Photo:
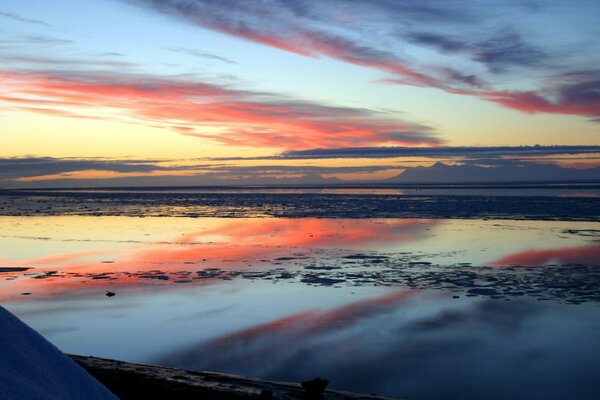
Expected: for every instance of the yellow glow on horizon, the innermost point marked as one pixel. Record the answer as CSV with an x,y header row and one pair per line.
x,y
377,175
95,174
29,133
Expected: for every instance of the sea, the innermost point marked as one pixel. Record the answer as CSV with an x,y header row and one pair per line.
x,y
414,292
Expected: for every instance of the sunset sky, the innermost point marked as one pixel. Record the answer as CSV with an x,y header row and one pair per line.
x,y
126,92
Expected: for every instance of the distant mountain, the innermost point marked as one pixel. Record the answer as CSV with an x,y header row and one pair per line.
x,y
311,179
490,171
506,172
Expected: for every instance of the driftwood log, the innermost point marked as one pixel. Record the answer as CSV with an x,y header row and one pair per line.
x,y
148,382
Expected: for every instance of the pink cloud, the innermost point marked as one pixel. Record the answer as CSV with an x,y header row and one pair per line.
x,y
194,109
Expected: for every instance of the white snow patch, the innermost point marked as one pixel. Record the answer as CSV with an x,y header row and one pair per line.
x,y
32,368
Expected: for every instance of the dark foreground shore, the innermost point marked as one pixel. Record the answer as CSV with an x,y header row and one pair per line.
x,y
138,381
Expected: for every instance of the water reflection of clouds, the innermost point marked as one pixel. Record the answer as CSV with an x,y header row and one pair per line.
x,y
420,344
273,341
582,255
410,345
229,244
236,241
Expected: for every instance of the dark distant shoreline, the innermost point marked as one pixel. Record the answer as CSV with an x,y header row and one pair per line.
x,y
523,203
584,184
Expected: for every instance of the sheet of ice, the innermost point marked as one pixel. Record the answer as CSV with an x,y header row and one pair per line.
x,y
32,368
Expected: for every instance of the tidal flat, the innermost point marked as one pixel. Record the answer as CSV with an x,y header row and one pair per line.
x,y
416,308
534,202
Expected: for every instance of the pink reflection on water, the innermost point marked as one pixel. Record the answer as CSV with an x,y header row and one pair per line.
x,y
232,244
272,237
588,255
272,340
63,257
316,321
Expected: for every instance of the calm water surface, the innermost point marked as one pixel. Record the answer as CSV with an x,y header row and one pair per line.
x,y
414,308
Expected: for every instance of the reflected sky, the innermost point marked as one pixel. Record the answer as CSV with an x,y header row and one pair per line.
x,y
414,308
418,346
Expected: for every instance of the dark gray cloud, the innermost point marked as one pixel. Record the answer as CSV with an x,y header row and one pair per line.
x,y
443,151
18,42
445,43
19,18
74,65
502,37
11,168
477,165
44,39
507,50
24,167
497,52
306,169
200,54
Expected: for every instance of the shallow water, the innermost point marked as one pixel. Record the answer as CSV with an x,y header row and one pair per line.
x,y
414,308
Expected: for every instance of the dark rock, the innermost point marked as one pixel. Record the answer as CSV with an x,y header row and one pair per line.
x,y
484,291
324,268
157,277
315,386
13,269
316,280
109,293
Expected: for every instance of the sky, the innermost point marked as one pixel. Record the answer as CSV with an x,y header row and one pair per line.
x,y
132,92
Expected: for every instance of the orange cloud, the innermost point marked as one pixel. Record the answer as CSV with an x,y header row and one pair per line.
x,y
217,113
97,174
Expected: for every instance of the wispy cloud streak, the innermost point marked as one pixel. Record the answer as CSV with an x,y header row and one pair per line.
x,y
201,54
441,151
216,112
491,45
19,18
